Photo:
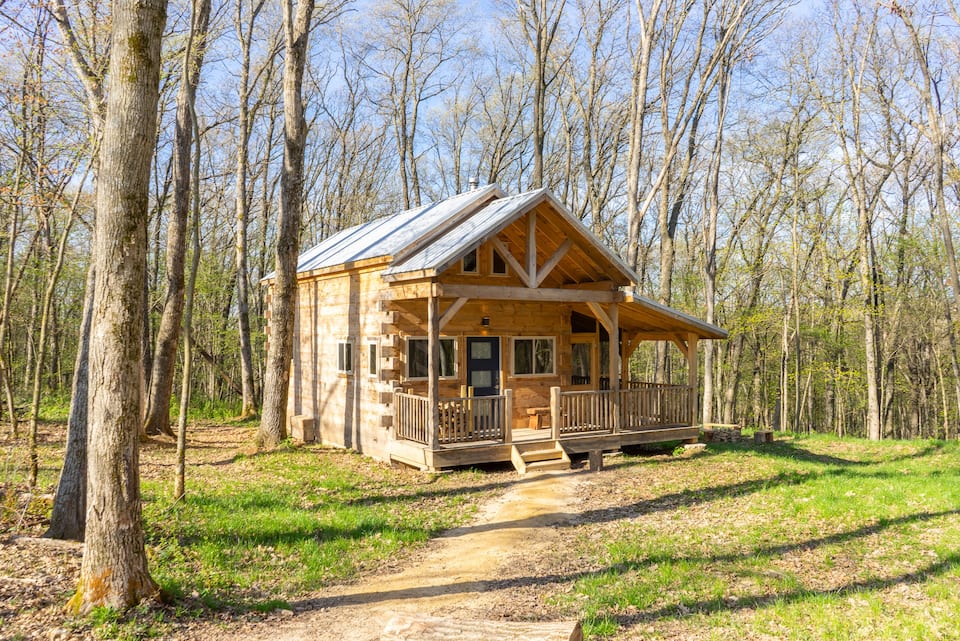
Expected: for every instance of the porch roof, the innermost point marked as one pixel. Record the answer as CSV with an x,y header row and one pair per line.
x,y
648,317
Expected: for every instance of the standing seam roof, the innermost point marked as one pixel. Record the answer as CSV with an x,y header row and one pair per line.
x,y
387,236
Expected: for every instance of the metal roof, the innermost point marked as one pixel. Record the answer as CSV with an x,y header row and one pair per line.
x,y
467,235
388,236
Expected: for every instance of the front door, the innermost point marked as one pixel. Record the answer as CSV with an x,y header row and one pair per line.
x,y
483,365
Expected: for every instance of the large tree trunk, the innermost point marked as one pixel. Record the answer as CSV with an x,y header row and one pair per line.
x,y
114,570
157,420
283,300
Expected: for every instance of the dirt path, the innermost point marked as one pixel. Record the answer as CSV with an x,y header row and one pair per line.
x,y
461,574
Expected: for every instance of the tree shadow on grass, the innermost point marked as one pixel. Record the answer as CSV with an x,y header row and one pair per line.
x,y
791,450
678,609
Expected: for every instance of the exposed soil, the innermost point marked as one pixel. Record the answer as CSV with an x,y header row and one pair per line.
x,y
494,568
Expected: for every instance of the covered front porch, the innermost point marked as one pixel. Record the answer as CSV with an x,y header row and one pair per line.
x,y
469,430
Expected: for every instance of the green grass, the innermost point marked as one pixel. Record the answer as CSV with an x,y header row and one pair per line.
x,y
808,539
293,520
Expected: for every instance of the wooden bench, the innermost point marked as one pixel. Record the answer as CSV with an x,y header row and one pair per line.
x,y
536,415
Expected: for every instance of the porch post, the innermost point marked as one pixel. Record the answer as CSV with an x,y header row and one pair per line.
x,y
433,368
555,413
507,416
614,333
693,364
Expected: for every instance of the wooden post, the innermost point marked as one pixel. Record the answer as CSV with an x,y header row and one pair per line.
x,y
508,416
433,368
693,380
532,249
555,413
614,332
468,407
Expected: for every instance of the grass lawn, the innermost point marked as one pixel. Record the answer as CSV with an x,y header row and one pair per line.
x,y
814,538
808,538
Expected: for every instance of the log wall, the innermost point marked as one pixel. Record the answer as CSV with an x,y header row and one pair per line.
x,y
349,409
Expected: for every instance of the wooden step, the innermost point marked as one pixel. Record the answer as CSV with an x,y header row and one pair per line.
x,y
539,457
548,466
531,456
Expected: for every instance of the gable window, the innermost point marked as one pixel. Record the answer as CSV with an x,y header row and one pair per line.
x,y
533,356
345,357
470,265
418,358
498,265
372,358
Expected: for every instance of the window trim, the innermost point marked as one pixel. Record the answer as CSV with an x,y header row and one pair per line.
x,y
513,356
426,339
348,343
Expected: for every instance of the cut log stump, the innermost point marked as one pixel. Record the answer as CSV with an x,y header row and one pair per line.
x,y
763,436
416,627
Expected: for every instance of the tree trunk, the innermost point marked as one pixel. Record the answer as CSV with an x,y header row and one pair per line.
x,y
157,420
68,519
283,298
179,490
242,198
114,570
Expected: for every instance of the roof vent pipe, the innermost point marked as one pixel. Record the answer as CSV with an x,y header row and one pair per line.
x,y
474,182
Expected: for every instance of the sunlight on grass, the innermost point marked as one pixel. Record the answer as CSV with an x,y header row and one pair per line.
x,y
813,538
291,521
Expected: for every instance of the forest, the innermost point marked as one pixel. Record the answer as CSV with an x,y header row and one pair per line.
x,y
785,170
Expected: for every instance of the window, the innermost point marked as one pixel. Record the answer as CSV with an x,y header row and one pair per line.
x,y
372,359
418,358
469,264
345,357
582,367
533,356
499,265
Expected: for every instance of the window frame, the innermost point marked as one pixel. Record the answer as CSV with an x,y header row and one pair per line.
x,y
454,361
506,266
533,364
373,356
476,262
344,354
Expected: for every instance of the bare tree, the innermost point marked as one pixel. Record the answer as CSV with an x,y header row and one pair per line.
x,y
296,29
540,21
157,420
412,45
114,569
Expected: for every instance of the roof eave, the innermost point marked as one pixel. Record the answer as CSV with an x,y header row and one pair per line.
x,y
703,329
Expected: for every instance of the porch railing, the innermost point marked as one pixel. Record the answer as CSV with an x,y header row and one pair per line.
x,y
640,406
412,417
464,419
470,419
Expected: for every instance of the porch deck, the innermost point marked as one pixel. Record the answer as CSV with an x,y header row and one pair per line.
x,y
475,430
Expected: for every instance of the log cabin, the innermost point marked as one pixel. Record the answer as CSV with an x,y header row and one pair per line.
x,y
482,328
